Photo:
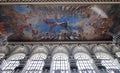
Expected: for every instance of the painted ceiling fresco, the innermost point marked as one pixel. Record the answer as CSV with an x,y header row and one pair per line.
x,y
59,22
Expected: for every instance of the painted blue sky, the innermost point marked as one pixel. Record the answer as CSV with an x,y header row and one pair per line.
x,y
27,21
72,21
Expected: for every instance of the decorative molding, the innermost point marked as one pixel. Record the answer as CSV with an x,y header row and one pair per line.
x,y
62,42
58,3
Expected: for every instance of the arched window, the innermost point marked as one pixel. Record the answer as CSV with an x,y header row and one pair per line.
x,y
35,63
107,62
60,63
12,62
84,63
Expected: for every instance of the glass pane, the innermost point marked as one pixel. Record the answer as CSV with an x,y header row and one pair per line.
x,y
35,64
60,64
84,64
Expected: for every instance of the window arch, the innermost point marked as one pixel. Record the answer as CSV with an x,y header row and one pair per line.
x,y
35,63
60,63
9,65
84,63
107,62
102,55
